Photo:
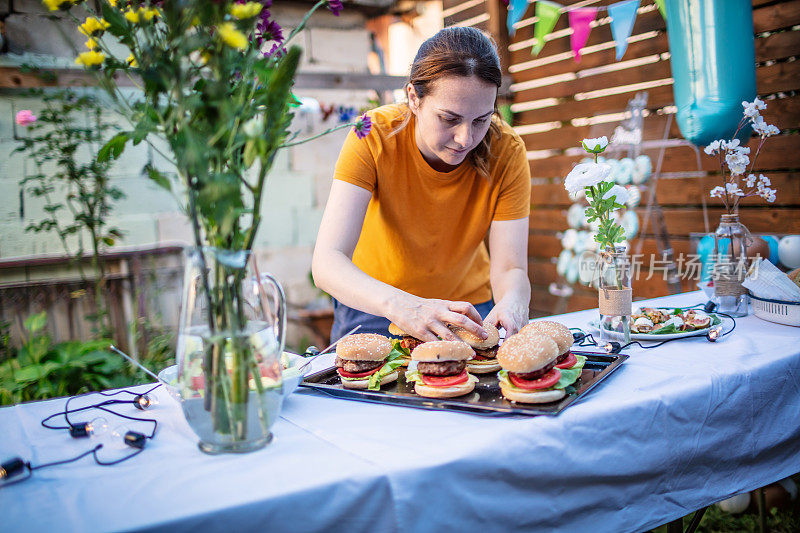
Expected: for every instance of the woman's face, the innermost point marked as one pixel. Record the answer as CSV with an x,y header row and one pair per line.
x,y
452,119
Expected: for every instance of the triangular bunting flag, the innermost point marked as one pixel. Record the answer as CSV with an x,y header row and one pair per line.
x,y
516,10
547,12
623,15
580,21
662,8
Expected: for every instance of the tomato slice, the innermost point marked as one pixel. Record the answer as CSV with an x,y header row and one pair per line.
x,y
445,381
569,362
544,382
357,375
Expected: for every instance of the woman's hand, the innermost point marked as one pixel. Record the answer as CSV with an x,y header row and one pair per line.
x,y
510,315
426,319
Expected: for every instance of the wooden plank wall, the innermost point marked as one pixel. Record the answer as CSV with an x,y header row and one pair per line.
x,y
557,102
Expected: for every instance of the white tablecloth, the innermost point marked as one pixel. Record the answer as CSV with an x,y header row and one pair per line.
x,y
674,429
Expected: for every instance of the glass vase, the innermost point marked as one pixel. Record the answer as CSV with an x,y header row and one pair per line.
x,y
615,296
230,340
730,266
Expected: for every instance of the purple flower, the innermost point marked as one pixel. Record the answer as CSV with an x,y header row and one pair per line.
x,y
335,6
276,50
363,126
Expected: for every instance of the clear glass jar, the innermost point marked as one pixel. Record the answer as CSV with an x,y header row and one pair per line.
x,y
615,296
730,266
230,342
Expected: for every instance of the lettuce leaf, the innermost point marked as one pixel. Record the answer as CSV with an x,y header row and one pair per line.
x,y
393,361
669,328
413,375
568,375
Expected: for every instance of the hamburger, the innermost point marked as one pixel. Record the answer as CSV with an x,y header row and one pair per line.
x,y
562,337
407,342
529,373
366,361
441,369
485,359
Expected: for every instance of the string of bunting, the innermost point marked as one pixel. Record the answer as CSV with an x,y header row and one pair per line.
x,y
622,15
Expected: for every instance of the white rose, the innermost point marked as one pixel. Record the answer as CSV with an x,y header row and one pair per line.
x,y
586,175
619,192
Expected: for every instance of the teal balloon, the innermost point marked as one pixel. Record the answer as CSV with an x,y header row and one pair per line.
x,y
773,248
712,54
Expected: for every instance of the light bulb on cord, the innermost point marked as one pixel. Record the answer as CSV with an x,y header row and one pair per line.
x,y
122,437
143,401
94,429
714,333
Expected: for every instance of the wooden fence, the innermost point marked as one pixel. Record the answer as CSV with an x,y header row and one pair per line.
x,y
557,102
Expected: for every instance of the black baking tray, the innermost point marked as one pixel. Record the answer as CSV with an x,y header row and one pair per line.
x,y
486,399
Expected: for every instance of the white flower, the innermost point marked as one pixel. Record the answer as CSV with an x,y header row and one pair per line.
x,y
737,163
586,175
717,192
713,147
767,194
751,180
595,146
772,130
763,181
729,145
751,108
619,193
733,189
253,127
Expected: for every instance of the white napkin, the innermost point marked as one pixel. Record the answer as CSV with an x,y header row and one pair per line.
x,y
765,280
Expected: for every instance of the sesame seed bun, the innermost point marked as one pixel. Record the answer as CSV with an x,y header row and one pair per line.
x,y
517,395
364,383
446,392
558,332
438,351
526,353
475,341
395,330
364,347
482,366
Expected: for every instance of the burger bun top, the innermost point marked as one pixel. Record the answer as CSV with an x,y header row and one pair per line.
x,y
475,341
395,330
439,351
556,331
522,353
364,347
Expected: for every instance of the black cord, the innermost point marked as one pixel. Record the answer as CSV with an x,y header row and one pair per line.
x,y
65,461
108,402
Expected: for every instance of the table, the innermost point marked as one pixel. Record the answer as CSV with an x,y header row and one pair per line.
x,y
675,429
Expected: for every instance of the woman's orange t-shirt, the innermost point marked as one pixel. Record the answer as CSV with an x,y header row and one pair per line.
x,y
423,231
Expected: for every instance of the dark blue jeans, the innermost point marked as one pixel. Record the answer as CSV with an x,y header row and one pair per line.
x,y
346,318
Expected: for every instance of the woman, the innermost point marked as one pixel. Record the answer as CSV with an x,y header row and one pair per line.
x,y
402,236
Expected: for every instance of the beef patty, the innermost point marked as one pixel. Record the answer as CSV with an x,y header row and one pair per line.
x,y
536,374
445,368
355,367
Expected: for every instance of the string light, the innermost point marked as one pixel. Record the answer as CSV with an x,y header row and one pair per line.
x,y
714,333
94,429
143,402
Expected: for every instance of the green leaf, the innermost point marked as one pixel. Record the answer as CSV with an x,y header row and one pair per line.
x,y
158,177
250,152
35,323
113,148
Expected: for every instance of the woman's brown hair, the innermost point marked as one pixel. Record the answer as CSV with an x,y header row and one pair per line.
x,y
458,51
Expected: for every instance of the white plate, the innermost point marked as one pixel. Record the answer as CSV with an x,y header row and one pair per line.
x,y
292,376
595,324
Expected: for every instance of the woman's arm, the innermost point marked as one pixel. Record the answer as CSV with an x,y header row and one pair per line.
x,y
335,273
508,274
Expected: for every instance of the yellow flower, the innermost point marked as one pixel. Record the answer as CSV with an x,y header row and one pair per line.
x,y
149,13
90,59
231,36
55,5
113,3
91,44
93,27
131,61
132,16
245,11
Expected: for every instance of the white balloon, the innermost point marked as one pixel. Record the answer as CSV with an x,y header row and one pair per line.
x,y
789,251
735,504
564,259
